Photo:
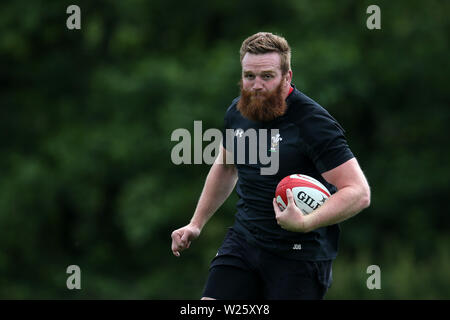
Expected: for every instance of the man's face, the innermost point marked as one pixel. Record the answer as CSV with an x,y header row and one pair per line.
x,y
261,73
263,87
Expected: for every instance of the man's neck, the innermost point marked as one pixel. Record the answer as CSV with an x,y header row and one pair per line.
x,y
288,92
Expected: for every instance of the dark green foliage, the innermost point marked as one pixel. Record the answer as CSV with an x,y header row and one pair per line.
x,y
86,118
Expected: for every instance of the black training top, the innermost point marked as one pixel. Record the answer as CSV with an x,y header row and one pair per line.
x,y
310,142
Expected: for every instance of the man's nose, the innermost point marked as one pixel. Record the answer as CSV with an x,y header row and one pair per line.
x,y
257,84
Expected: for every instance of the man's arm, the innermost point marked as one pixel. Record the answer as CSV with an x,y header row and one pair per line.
x,y
218,186
353,195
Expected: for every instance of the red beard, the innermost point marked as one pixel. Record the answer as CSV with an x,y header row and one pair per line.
x,y
262,106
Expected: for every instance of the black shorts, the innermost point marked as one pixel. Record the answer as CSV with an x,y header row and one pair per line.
x,y
243,271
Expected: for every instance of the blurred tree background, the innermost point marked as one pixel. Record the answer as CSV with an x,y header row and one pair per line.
x,y
86,118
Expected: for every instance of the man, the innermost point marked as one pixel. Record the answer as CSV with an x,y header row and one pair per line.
x,y
268,253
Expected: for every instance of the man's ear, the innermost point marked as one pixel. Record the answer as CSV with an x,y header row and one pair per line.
x,y
288,76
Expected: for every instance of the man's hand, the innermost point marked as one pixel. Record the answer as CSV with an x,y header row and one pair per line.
x,y
181,238
291,218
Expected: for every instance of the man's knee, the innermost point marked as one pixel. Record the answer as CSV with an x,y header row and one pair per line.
x,y
207,298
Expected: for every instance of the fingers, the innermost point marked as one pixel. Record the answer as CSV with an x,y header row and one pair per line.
x,y
185,240
177,244
290,197
277,210
280,215
275,206
185,237
181,240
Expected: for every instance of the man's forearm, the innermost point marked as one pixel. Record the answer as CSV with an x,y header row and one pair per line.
x,y
341,206
219,184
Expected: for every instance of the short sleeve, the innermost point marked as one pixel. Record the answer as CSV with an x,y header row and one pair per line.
x,y
325,141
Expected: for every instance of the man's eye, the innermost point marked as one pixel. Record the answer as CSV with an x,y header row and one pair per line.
x,y
249,76
268,76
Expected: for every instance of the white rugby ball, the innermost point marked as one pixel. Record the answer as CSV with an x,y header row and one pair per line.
x,y
309,194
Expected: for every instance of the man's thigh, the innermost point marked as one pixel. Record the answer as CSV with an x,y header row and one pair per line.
x,y
231,275
296,280
228,282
